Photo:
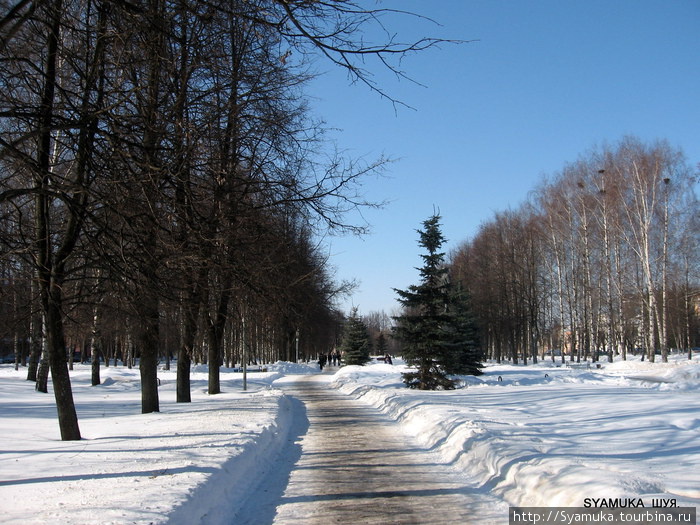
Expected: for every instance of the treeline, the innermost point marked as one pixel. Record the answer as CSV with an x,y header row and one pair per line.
x,y
161,190
379,328
602,260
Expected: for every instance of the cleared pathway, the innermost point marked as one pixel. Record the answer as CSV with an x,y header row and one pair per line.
x,y
348,463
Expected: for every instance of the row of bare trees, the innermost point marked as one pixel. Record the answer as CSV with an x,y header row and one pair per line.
x,y
161,189
601,260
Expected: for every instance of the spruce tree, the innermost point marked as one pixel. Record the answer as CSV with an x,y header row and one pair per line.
x,y
356,344
435,338
463,345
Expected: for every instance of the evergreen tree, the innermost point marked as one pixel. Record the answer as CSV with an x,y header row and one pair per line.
x,y
463,343
436,338
356,344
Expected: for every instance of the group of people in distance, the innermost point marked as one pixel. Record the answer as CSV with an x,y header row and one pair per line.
x,y
333,358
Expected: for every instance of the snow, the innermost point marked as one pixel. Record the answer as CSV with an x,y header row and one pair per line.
x,y
541,435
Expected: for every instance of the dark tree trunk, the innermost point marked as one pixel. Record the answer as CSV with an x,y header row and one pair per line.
x,y
216,338
184,362
184,355
215,344
148,364
95,367
67,417
184,358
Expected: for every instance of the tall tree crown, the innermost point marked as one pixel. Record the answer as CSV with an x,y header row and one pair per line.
x,y
431,239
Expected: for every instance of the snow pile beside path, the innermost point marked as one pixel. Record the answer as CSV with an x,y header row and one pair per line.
x,y
550,436
377,376
287,368
228,487
191,461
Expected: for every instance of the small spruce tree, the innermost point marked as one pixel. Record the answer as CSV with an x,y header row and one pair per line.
x,y
436,338
356,344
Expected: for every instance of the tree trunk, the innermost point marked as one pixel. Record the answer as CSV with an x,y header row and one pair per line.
x,y
148,364
216,338
95,350
663,319
184,355
184,362
42,376
67,416
35,337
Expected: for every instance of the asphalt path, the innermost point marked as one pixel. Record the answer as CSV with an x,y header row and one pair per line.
x,y
346,462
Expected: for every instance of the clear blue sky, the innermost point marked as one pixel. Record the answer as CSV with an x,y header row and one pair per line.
x,y
546,81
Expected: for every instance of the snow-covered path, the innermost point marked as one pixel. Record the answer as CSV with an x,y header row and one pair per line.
x,y
347,462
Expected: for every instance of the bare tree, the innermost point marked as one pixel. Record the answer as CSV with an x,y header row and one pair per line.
x,y
611,242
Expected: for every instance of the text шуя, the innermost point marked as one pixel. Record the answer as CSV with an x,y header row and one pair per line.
x,y
624,503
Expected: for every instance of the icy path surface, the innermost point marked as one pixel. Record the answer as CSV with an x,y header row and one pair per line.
x,y
346,462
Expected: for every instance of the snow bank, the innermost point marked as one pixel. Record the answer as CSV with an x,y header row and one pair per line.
x,y
551,436
287,368
190,463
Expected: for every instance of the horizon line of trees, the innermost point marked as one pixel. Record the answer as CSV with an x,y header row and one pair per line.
x,y
163,183
602,260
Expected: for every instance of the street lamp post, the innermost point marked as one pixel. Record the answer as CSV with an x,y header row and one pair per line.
x,y
297,345
244,356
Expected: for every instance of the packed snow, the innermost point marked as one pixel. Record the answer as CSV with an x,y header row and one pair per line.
x,y
537,435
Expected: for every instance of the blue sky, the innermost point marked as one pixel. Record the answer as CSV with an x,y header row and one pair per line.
x,y
544,82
